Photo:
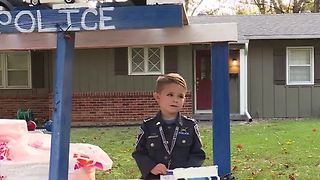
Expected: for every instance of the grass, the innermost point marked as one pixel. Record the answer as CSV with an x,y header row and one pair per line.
x,y
275,149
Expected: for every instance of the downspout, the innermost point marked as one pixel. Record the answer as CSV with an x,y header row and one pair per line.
x,y
244,82
249,118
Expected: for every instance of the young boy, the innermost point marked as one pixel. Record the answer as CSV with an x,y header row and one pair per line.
x,y
168,140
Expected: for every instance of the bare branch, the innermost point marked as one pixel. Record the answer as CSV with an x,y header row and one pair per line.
x,y
194,10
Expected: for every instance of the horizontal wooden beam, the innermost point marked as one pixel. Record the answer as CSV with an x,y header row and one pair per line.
x,y
191,34
86,19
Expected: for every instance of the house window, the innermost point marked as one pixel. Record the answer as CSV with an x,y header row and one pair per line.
x,y
15,70
300,62
146,60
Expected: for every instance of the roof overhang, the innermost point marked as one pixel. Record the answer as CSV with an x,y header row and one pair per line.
x,y
190,34
248,38
283,36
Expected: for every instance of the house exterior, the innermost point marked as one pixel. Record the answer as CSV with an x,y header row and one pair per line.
x,y
114,71
125,40
281,58
273,70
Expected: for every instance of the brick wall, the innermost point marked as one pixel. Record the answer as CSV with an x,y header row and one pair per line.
x,y
117,107
11,104
94,108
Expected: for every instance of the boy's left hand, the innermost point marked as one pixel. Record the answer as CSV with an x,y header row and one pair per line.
x,y
159,169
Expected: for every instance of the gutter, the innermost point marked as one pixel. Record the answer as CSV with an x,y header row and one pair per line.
x,y
244,82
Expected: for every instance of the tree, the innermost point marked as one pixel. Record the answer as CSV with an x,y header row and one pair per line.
x,y
192,5
244,8
316,5
280,6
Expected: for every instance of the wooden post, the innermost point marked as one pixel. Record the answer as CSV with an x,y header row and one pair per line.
x,y
221,109
59,157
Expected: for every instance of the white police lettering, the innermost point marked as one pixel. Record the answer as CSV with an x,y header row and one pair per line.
x,y
40,29
33,21
27,21
68,12
105,18
83,19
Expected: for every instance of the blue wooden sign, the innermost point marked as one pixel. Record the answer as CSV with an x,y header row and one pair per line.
x,y
85,19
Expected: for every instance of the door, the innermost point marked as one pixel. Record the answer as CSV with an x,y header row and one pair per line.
x,y
203,80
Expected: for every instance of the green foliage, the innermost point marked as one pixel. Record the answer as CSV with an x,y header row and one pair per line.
x,y
281,6
276,149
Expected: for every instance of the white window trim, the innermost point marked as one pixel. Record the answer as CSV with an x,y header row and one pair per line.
x,y
311,69
3,61
2,56
145,49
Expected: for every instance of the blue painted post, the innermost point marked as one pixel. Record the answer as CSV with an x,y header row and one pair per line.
x,y
220,110
59,157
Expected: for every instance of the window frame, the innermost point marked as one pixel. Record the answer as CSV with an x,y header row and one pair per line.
x,y
4,64
2,56
311,49
146,59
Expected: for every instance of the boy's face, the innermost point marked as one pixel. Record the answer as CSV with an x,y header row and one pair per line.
x,y
170,99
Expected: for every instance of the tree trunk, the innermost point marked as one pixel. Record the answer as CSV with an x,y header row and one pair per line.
x,y
297,6
316,5
277,7
261,6
187,2
196,7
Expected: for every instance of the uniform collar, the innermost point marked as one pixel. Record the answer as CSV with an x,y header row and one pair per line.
x,y
177,121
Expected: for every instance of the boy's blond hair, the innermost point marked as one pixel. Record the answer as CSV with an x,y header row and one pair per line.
x,y
168,79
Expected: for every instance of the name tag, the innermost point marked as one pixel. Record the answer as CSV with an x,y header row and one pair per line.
x,y
152,136
184,133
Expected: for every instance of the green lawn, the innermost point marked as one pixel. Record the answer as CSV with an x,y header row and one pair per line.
x,y
275,149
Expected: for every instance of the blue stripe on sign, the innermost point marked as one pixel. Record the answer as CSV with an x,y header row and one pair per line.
x,y
103,18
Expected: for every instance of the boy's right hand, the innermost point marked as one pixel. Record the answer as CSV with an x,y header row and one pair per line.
x,y
159,169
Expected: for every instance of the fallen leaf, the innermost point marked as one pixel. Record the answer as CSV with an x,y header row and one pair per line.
x,y
291,177
239,147
284,150
234,168
274,175
289,142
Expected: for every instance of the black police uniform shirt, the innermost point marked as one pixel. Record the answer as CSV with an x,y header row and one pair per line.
x,y
176,144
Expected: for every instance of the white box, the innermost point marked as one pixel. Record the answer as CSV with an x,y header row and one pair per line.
x,y
196,172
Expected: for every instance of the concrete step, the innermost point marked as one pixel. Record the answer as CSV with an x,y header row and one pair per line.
x,y
208,117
